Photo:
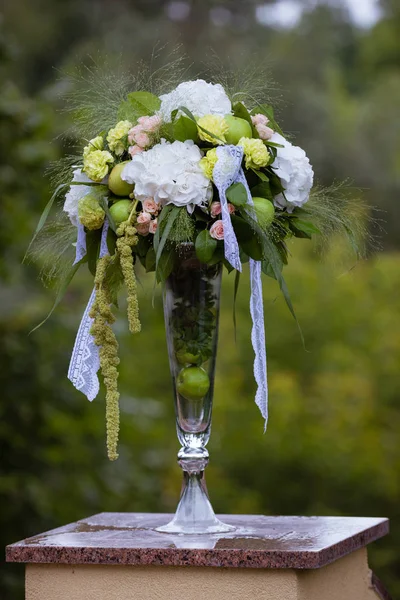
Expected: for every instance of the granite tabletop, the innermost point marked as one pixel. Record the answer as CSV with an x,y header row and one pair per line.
x,y
257,542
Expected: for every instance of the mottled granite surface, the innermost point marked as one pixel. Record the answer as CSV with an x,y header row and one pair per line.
x,y
257,542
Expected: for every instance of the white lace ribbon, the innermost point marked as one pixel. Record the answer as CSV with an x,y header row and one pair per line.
x,y
85,360
80,250
228,170
225,173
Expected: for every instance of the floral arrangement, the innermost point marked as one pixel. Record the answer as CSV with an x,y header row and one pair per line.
x,y
191,166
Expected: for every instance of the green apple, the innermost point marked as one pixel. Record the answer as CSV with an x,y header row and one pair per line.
x,y
193,383
118,186
238,128
265,211
120,211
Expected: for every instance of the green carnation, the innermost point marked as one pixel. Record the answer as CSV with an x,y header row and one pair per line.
x,y
96,143
117,137
255,152
216,125
96,164
90,213
207,163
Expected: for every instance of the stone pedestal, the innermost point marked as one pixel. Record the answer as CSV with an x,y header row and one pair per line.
x,y
114,556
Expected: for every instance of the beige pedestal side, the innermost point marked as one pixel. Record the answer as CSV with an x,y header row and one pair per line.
x,y
346,579
123,556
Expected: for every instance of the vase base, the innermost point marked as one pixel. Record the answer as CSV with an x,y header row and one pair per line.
x,y
177,527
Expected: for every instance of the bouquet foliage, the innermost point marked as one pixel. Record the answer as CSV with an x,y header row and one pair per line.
x,y
196,165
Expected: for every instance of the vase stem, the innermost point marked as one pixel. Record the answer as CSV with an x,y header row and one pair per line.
x,y
194,513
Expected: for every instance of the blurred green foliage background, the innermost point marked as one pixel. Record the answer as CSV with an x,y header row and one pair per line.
x,y
332,445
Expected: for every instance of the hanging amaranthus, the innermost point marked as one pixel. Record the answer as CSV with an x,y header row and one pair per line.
x,y
128,238
108,351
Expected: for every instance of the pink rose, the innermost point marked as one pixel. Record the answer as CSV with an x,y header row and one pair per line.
x,y
260,123
259,119
150,124
153,226
215,209
142,139
217,230
150,206
144,217
133,150
133,132
142,228
143,223
264,132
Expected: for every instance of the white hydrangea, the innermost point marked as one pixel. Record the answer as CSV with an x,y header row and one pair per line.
x,y
200,97
171,174
74,194
293,168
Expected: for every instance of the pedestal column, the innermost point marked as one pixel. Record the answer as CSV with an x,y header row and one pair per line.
x,y
114,556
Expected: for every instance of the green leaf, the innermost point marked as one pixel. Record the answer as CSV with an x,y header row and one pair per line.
x,y
239,110
275,184
165,264
142,246
218,255
228,266
93,239
237,194
115,278
111,241
45,214
261,175
235,291
184,129
61,292
150,263
173,213
262,190
264,109
205,246
104,205
272,255
247,238
267,269
138,104
304,226
160,221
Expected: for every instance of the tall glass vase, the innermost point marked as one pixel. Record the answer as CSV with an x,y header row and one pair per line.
x,y
191,312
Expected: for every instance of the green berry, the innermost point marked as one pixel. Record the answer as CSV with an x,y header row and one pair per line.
x,y
118,186
265,211
120,211
193,383
238,128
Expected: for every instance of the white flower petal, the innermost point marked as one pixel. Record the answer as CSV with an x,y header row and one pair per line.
x,y
171,174
200,97
293,168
